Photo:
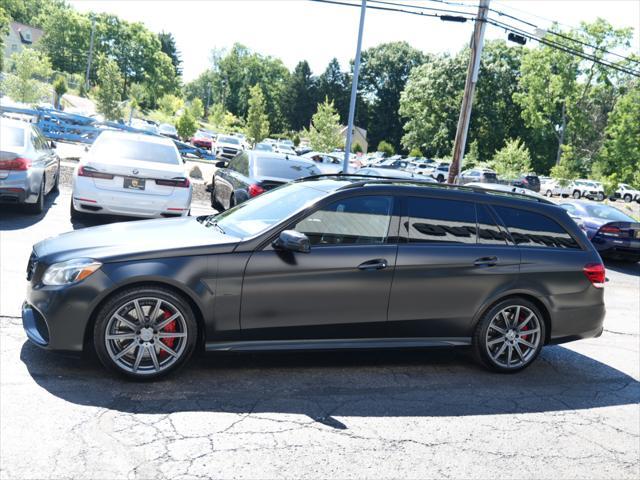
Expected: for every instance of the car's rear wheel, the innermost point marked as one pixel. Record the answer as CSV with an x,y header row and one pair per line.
x,y
215,204
145,332
627,198
38,207
549,193
56,184
577,194
509,336
601,197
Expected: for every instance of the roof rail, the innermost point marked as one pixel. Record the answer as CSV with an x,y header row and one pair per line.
x,y
371,179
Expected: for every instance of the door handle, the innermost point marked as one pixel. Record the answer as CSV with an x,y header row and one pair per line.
x,y
377,264
486,261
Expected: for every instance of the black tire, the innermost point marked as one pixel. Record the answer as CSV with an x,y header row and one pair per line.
x,y
56,184
118,302
232,201
576,194
440,178
73,213
38,207
627,198
214,203
480,347
549,193
600,197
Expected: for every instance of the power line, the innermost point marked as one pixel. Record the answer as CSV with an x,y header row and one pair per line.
x,y
525,22
496,23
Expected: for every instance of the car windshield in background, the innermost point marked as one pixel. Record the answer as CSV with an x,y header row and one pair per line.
x,y
137,150
607,213
262,212
265,147
167,128
11,137
231,140
286,169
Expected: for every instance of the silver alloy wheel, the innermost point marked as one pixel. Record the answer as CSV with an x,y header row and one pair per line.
x,y
513,336
146,335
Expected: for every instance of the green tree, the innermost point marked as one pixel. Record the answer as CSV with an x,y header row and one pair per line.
x,y
186,125
66,39
301,96
512,160
169,104
384,73
27,70
109,89
196,108
5,20
324,132
415,152
357,148
620,153
569,98
386,148
60,88
257,119
334,84
168,47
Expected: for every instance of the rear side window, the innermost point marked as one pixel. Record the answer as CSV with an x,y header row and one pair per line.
x,y
434,220
282,168
529,229
11,136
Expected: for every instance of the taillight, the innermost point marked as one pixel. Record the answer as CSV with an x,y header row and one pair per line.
x,y
255,190
176,182
609,230
595,272
15,164
93,173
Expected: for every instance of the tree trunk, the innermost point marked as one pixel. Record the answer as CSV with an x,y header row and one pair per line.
x,y
561,135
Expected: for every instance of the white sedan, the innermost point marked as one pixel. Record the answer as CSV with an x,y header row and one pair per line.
x,y
131,174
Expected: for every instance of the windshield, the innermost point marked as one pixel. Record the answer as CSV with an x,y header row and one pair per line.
x,y
231,140
136,150
167,128
281,168
264,147
264,211
607,213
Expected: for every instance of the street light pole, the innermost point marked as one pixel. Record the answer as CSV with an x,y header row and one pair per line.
x,y
477,40
354,91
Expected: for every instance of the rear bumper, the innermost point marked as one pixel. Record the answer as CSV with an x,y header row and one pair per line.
x,y
87,198
20,187
572,324
623,248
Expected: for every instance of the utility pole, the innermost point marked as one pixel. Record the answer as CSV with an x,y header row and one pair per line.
x,y
354,91
93,31
477,40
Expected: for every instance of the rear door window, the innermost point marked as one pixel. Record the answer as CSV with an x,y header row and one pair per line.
x,y
240,164
489,232
530,229
435,220
283,168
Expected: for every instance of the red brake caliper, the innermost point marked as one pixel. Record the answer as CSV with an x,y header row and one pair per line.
x,y
170,327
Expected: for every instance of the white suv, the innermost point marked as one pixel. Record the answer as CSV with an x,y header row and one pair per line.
x,y
627,193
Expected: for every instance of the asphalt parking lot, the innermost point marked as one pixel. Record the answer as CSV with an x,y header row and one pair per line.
x,y
573,414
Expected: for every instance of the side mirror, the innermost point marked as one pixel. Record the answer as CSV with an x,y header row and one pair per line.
x,y
292,241
221,164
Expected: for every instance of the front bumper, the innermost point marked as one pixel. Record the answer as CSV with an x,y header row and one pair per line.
x,y
57,317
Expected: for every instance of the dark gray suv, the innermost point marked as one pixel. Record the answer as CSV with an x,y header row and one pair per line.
x,y
322,263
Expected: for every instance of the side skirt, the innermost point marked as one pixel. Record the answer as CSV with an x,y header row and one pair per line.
x,y
336,344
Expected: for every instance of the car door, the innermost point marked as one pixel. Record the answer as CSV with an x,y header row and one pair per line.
x,y
453,256
232,178
340,289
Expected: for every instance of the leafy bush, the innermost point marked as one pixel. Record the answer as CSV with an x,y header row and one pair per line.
x,y
109,88
386,148
60,87
512,160
357,148
415,152
186,125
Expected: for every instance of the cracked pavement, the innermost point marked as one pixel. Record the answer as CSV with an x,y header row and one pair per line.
x,y
422,413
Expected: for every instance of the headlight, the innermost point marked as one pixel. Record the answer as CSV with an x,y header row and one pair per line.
x,y
71,271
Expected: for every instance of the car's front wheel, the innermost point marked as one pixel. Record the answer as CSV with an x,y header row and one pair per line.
x,y
549,193
577,194
509,336
145,332
627,198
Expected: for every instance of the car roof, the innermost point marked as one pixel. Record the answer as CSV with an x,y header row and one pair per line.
x,y
140,137
418,186
14,122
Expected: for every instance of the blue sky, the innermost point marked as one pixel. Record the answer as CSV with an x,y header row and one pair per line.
x,y
298,29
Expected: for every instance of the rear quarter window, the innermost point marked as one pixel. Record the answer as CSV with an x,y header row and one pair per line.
x,y
531,229
281,168
11,136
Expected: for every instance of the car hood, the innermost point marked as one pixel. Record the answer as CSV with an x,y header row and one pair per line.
x,y
137,240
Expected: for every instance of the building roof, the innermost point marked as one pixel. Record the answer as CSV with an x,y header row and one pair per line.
x,y
27,34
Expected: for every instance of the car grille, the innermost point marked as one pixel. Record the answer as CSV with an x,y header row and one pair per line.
x,y
229,151
32,265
